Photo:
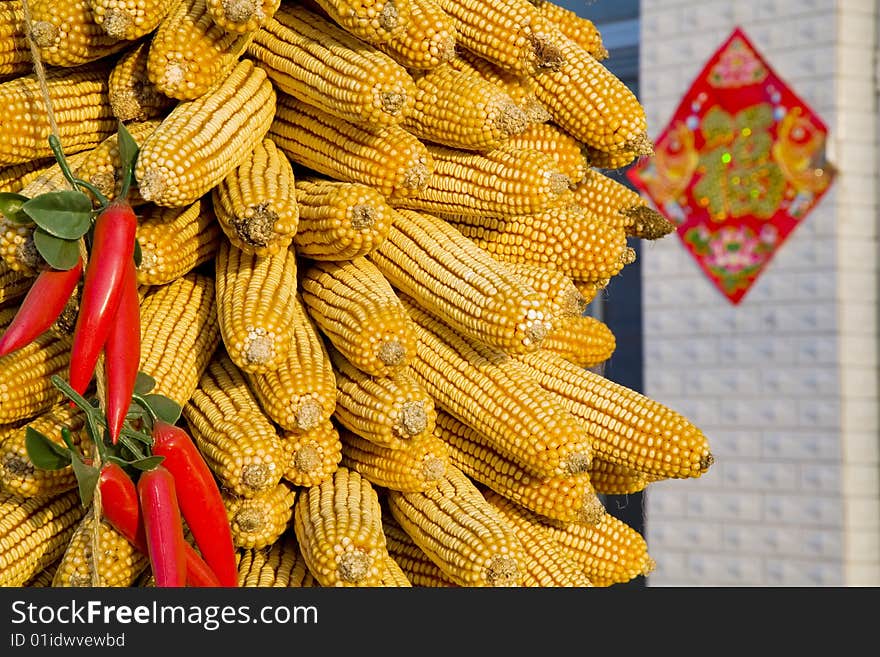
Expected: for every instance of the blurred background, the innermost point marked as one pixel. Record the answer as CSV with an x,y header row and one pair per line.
x,y
785,382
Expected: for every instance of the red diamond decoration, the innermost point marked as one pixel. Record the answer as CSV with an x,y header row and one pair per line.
x,y
739,166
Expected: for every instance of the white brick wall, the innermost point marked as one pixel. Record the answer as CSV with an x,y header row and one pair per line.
x,y
785,384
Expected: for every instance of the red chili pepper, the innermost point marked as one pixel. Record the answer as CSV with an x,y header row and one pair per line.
x,y
199,499
121,508
122,353
163,526
112,249
44,302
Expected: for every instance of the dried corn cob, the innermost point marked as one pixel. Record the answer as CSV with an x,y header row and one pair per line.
x,y
415,564
446,274
34,532
591,288
581,339
338,524
546,564
312,455
509,33
255,203
81,107
570,497
615,479
390,159
301,392
43,579
66,33
608,553
27,390
618,159
16,177
18,475
608,199
394,575
498,182
202,140
119,562
390,411
558,290
281,564
625,426
479,386
592,104
242,15
549,138
460,109
15,56
461,532
190,54
567,239
339,220
574,26
129,19
259,521
13,284
425,41
311,58
179,333
255,305
238,441
174,241
417,466
132,96
372,21
359,312
17,248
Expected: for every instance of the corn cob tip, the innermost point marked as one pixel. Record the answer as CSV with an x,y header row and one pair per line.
x,y
354,566
628,256
248,519
257,228
259,347
117,23
416,177
535,330
362,216
307,458
389,17
308,414
391,352
592,511
559,182
648,224
503,570
511,119
413,418
706,462
548,55
640,146
393,102
649,566
44,33
577,462
239,11
433,468
258,476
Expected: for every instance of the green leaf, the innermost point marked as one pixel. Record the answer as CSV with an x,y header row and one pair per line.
x,y
138,254
86,479
44,452
128,152
66,214
10,207
140,436
59,253
144,383
166,409
147,463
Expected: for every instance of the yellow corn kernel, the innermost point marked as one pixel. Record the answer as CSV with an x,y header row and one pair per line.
x,y
15,54
425,41
34,532
608,553
590,288
549,138
418,567
300,393
259,521
80,104
312,455
415,467
546,563
25,386
574,26
118,564
581,339
66,33
242,15
625,426
238,441
174,241
371,21
339,220
16,177
592,104
21,477
489,392
394,575
43,579
313,59
202,140
179,333
255,305
445,273
558,290
13,284
129,19
359,312
615,479
619,158
567,239
462,110
132,96
498,182
338,524
389,158
279,565
568,497
17,248
461,532
255,203
390,411
509,33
